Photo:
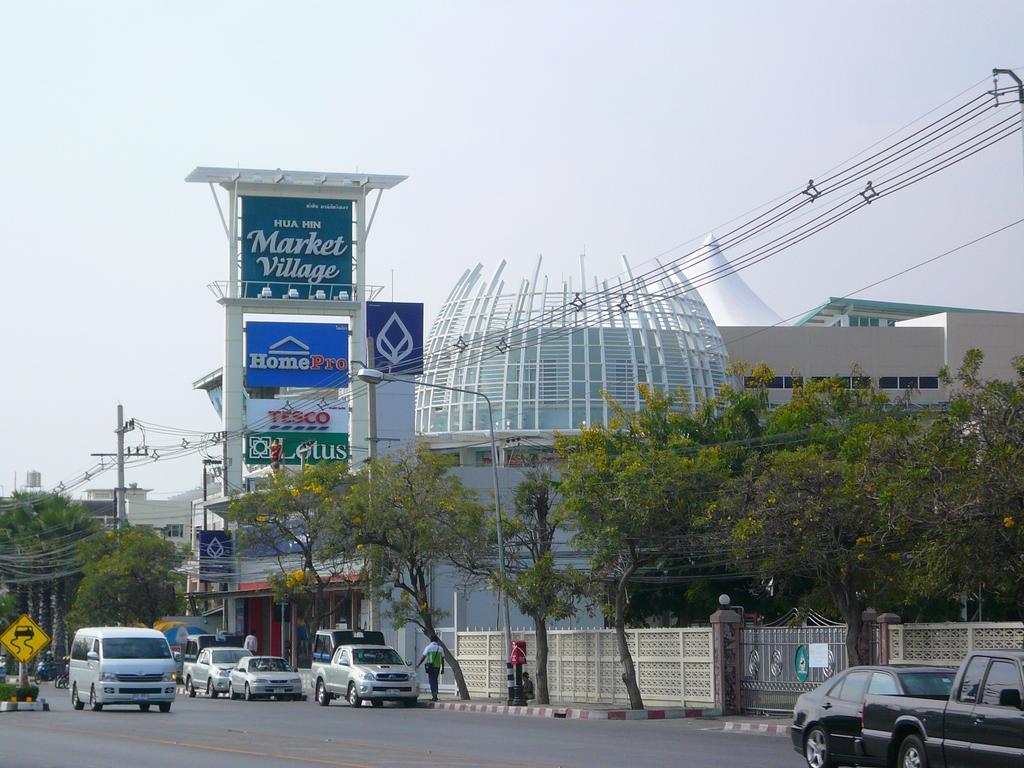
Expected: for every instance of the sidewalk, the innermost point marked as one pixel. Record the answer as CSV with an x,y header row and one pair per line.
x,y
765,726
569,710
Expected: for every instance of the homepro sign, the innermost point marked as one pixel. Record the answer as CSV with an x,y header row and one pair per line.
x,y
300,243
296,355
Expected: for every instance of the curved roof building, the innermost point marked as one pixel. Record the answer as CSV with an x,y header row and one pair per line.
x,y
543,351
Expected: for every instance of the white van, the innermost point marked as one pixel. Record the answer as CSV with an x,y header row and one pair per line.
x,y
121,665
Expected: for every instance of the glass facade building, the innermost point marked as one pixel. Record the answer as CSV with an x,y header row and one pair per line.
x,y
543,353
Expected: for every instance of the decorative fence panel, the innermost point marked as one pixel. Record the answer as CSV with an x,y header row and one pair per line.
x,y
673,666
949,643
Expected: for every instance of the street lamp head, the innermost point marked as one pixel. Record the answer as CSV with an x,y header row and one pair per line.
x,y
370,375
724,600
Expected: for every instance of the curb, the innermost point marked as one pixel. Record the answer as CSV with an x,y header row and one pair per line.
x,y
572,713
24,706
768,729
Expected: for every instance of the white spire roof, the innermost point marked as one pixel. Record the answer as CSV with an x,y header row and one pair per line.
x,y
728,297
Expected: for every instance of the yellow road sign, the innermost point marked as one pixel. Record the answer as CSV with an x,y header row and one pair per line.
x,y
24,638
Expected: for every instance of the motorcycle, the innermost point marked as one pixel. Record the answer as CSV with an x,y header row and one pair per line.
x,y
47,670
62,678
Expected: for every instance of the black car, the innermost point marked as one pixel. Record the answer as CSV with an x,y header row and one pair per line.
x,y
826,726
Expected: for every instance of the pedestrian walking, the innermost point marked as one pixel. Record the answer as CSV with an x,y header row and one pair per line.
x,y
433,655
250,643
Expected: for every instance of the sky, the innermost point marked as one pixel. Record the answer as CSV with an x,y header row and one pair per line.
x,y
525,128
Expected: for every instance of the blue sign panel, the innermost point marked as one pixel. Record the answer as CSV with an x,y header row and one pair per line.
x,y
296,244
296,355
216,556
397,332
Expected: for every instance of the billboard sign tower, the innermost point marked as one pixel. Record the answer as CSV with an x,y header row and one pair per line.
x,y
296,246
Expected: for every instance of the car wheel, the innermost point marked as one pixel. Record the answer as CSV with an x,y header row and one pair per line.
x,y
816,749
165,706
190,686
76,702
353,697
912,754
248,693
93,704
323,698
231,692
210,693
144,707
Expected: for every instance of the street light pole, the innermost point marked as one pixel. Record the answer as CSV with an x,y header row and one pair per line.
x,y
373,377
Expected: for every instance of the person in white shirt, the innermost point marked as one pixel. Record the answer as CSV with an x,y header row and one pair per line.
x,y
250,643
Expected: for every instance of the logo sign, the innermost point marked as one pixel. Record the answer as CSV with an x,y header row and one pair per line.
x,y
397,332
24,638
297,448
801,663
296,355
298,243
297,416
216,555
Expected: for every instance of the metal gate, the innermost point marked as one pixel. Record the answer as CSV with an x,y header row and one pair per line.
x,y
777,661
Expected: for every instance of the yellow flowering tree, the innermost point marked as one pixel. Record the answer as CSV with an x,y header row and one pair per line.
x,y
301,522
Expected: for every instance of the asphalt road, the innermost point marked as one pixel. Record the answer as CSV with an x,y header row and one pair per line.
x,y
236,734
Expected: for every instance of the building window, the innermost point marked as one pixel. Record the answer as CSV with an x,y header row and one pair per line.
x,y
928,382
908,382
888,382
174,531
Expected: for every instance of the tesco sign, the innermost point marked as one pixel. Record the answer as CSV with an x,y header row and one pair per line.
x,y
296,355
296,416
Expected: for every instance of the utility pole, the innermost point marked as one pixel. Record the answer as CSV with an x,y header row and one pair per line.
x,y
119,491
1020,89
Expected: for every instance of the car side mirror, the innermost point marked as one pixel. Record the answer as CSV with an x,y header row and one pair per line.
x,y
343,662
408,663
1009,697
92,656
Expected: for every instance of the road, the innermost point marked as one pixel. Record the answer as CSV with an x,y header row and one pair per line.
x,y
236,734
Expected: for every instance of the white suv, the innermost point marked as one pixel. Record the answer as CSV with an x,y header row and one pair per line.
x,y
374,673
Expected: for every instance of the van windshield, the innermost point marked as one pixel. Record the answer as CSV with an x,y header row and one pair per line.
x,y
135,648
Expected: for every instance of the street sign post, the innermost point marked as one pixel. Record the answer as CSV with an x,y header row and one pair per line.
x,y
24,639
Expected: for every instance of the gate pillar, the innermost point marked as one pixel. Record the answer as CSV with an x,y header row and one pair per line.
x,y
868,649
885,621
726,627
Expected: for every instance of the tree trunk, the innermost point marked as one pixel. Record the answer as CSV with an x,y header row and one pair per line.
x,y
59,623
628,670
541,633
449,657
853,632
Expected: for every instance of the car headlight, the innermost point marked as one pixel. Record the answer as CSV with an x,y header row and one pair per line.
x,y
261,681
108,677
169,677
369,676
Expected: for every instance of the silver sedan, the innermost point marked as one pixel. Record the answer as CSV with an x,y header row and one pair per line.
x,y
264,677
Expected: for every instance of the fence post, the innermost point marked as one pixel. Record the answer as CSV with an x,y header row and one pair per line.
x,y
726,629
885,621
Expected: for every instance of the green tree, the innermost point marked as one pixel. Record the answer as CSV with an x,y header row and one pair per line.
x,y
302,521
542,589
818,501
966,487
129,577
639,489
413,516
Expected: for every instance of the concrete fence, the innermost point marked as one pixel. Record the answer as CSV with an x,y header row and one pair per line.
x,y
675,667
948,643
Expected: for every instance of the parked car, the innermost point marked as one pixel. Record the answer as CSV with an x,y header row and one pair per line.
x,y
121,665
327,641
979,724
196,643
264,677
371,673
826,726
211,671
